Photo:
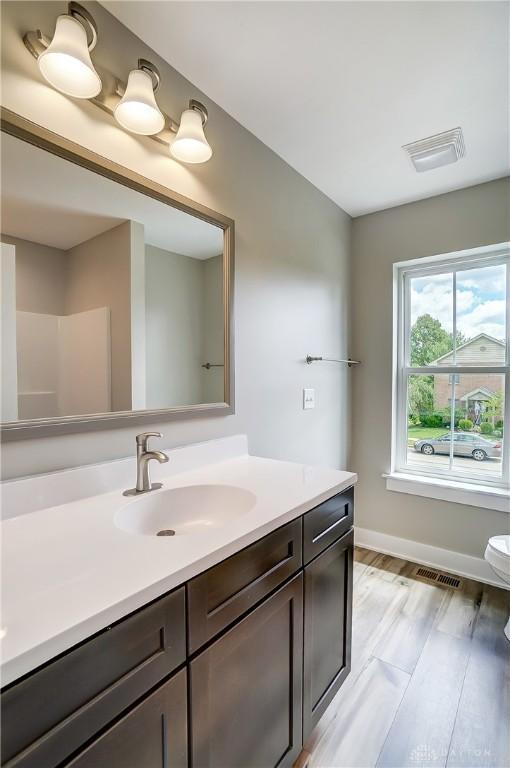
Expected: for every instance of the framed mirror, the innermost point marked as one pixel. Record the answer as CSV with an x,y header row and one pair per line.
x,y
117,293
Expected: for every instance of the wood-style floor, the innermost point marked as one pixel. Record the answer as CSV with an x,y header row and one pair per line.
x,y
430,679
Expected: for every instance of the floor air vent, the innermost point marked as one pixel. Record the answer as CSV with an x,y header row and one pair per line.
x,y
449,581
436,577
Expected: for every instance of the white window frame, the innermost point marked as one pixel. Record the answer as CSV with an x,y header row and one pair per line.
x,y
402,273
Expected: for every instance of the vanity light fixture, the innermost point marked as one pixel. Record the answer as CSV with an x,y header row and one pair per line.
x,y
190,144
137,111
65,62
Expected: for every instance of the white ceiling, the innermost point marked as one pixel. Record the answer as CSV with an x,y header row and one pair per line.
x,y
336,88
52,201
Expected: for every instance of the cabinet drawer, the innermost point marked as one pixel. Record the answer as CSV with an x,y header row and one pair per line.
x,y
152,735
49,714
219,596
326,523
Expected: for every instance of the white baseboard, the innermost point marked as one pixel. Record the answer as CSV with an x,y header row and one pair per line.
x,y
444,559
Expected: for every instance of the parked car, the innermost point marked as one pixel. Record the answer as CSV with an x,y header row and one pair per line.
x,y
464,444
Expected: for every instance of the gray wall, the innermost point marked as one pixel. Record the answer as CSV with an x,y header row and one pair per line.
x,y
213,390
292,255
40,277
184,328
465,219
99,275
174,324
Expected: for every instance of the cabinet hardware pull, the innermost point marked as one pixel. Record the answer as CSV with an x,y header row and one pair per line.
x,y
330,528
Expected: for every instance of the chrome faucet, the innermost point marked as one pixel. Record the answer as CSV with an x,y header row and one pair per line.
x,y
143,457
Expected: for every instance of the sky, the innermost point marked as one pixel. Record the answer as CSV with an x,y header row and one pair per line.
x,y
480,300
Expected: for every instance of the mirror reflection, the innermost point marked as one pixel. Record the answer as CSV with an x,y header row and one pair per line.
x,y
111,300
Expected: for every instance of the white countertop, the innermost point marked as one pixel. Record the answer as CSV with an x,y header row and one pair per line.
x,y
68,571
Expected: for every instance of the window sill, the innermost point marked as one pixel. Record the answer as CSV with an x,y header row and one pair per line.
x,y
449,490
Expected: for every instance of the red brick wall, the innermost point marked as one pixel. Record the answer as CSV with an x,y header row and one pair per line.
x,y
467,383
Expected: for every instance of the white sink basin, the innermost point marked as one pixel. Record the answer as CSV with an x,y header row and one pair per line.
x,y
184,511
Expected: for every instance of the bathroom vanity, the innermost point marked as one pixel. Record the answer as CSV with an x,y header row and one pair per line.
x,y
231,666
202,624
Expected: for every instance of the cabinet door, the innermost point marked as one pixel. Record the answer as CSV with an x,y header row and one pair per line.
x,y
328,619
152,735
246,688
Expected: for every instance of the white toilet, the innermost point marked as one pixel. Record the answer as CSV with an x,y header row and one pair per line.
x,y
497,555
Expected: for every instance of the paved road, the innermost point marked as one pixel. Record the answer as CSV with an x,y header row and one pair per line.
x,y
461,463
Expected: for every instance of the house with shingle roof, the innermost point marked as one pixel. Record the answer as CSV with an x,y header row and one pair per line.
x,y
470,389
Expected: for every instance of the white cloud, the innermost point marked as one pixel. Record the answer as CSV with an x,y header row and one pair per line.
x,y
486,317
436,299
465,300
484,279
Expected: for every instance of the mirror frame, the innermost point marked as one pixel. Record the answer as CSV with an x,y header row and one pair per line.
x,y
21,128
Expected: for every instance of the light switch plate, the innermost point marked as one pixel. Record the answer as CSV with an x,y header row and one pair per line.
x,y
308,399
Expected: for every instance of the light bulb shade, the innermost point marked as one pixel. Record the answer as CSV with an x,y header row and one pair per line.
x,y
138,111
190,144
66,62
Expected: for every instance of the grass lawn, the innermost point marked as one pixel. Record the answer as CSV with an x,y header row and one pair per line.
x,y
421,433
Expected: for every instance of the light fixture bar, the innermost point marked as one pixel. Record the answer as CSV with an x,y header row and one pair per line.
x,y
108,99
113,89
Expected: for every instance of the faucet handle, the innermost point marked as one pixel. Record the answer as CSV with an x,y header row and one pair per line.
x,y
143,438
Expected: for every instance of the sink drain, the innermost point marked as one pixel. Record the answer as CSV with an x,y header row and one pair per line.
x,y
166,532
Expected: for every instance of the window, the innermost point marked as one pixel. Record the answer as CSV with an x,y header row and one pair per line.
x,y
452,382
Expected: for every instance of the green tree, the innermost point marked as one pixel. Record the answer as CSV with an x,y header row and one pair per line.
x,y
429,340
420,394
494,408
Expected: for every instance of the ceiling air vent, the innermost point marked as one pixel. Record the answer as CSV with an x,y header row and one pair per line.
x,y
435,151
436,577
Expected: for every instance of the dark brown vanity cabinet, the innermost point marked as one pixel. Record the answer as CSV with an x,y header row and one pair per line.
x,y
328,619
246,688
231,670
52,712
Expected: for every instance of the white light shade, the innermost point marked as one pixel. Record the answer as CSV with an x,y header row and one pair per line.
x,y
66,62
434,158
190,144
138,111
434,151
